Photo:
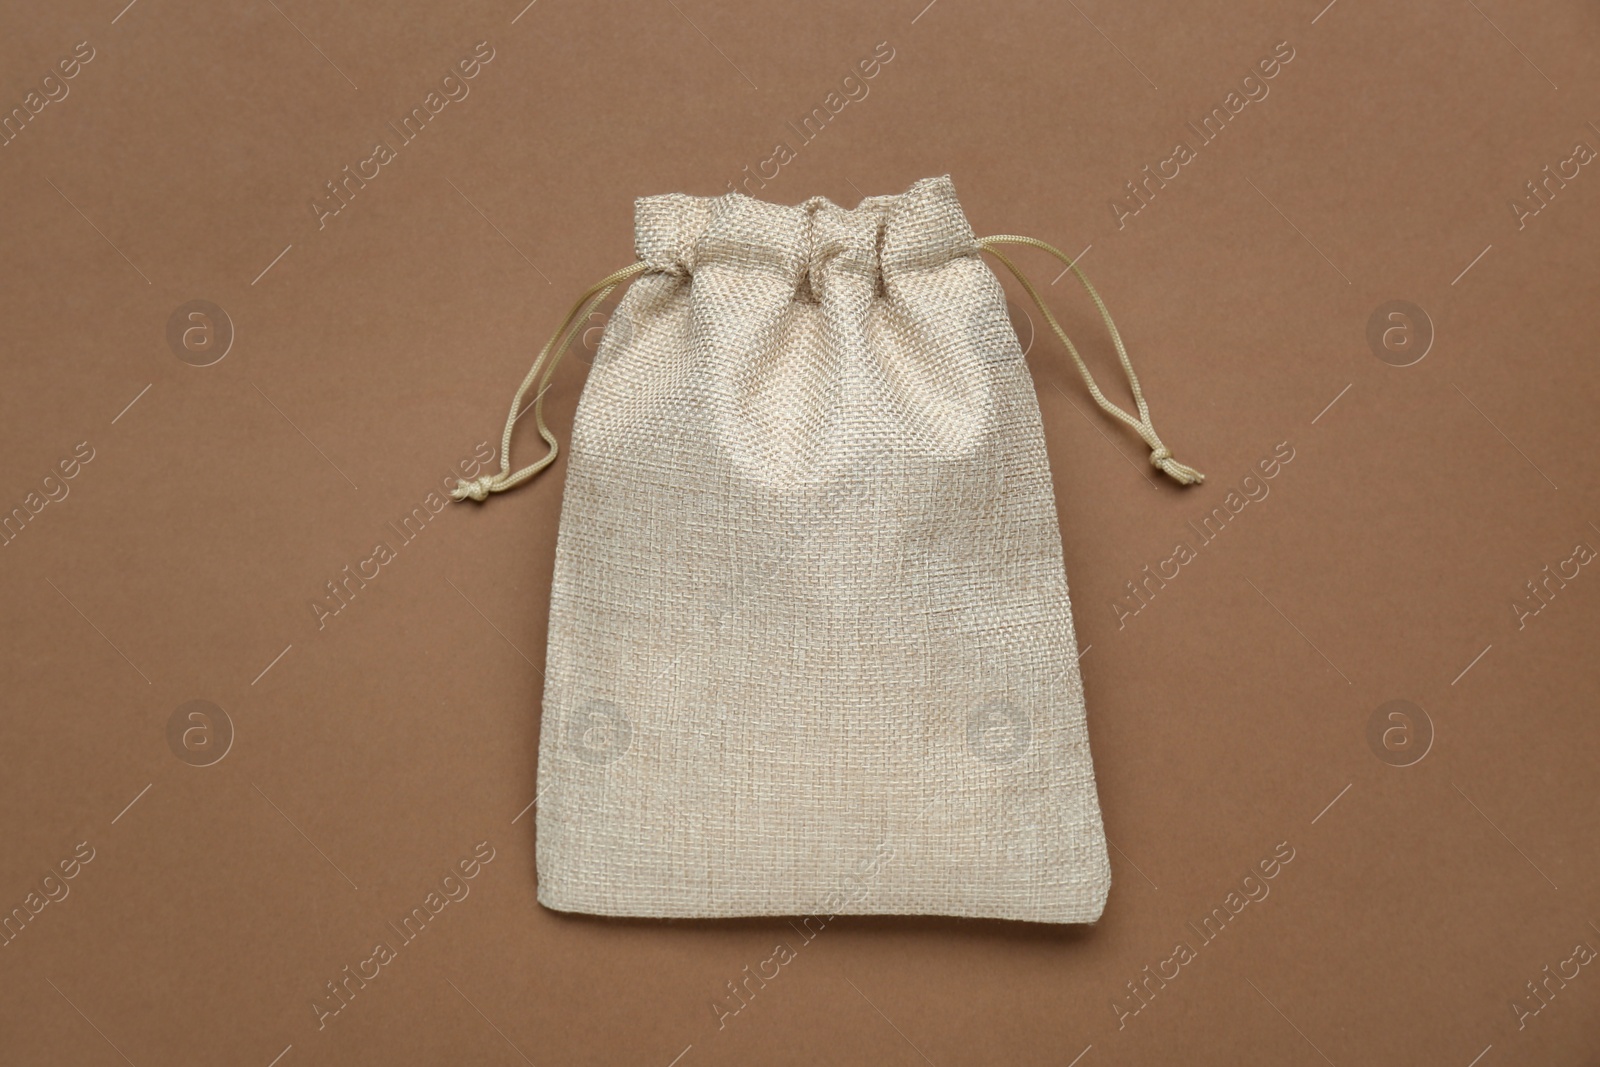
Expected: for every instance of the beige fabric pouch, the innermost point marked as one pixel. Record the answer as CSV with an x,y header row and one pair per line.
x,y
810,644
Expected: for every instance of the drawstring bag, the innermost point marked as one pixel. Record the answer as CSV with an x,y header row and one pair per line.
x,y
810,648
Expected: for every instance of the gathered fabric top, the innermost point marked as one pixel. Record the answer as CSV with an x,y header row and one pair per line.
x,y
883,236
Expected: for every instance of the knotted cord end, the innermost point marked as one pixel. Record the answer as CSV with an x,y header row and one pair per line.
x,y
1182,473
478,489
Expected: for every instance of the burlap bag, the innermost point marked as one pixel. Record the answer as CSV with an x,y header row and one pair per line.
x,y
810,646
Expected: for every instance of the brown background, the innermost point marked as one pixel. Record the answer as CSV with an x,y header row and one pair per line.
x,y
372,754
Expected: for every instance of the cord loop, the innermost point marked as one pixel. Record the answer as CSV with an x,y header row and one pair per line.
x,y
1160,454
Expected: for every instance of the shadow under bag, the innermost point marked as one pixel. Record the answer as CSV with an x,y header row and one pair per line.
x,y
810,646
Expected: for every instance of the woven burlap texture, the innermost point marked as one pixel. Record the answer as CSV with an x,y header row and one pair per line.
x,y
810,647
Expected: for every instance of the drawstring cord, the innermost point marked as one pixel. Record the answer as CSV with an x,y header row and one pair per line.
x,y
480,488
1160,455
